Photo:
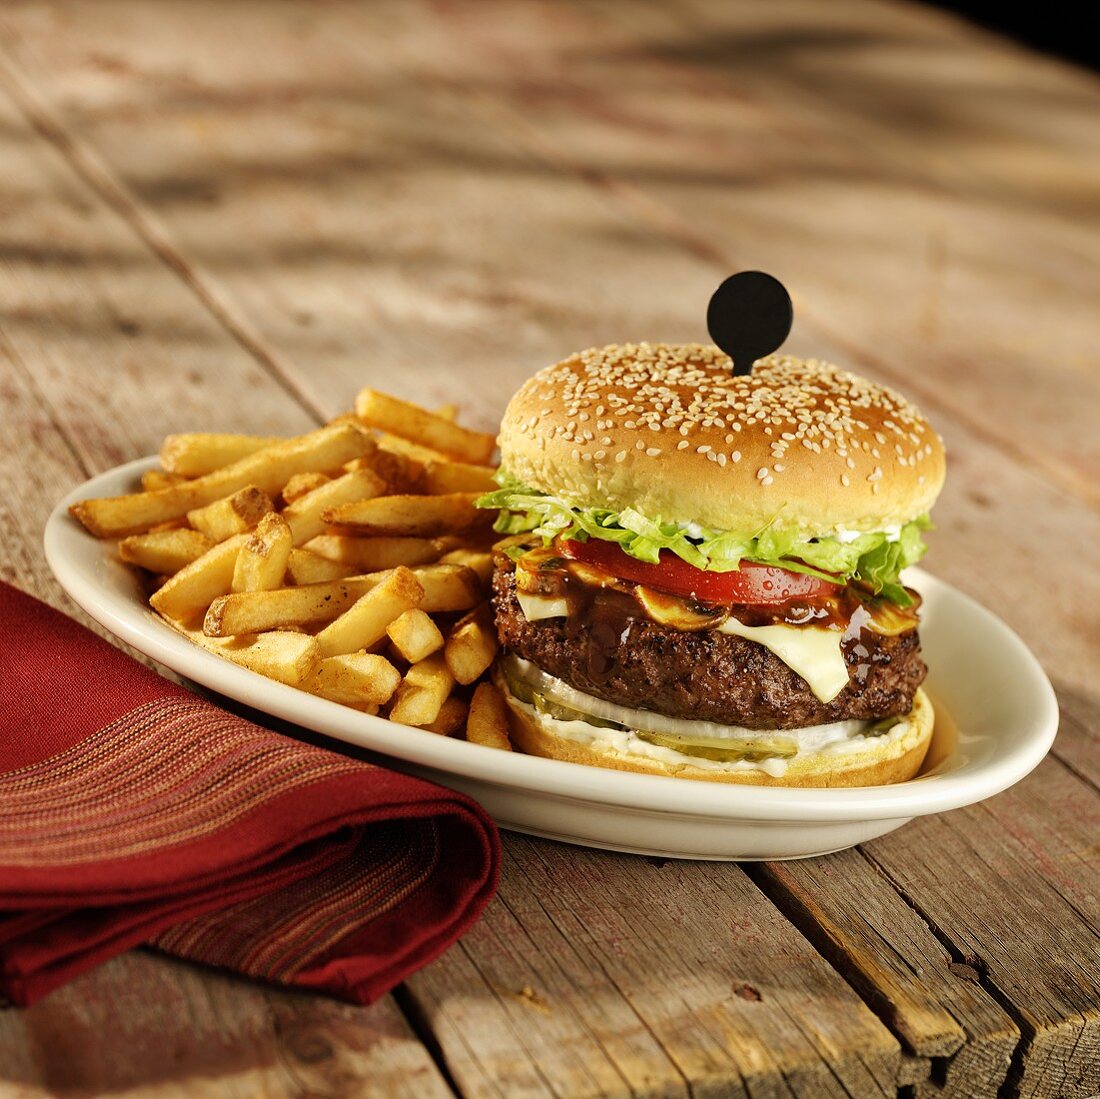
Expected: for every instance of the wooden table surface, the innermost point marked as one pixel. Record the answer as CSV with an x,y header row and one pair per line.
x,y
230,216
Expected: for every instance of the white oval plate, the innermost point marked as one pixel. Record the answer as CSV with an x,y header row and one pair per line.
x,y
996,719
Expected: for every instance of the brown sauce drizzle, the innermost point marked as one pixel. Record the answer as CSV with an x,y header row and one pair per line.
x,y
604,609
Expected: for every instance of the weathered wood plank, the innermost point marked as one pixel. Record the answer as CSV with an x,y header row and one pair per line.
x,y
1046,955
367,228
642,976
904,972
101,351
144,1024
1025,926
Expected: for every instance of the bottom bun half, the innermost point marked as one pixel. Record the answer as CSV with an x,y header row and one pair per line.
x,y
860,761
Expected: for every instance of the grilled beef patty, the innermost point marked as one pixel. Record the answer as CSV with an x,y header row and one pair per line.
x,y
617,653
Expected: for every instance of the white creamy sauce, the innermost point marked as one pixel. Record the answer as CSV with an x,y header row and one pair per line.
x,y
811,651
835,740
844,535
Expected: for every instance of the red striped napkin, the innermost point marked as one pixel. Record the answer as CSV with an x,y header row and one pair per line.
x,y
132,811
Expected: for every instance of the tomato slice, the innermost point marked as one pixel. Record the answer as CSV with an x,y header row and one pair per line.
x,y
750,584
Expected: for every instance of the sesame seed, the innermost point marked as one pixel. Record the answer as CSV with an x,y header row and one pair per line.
x,y
778,467
845,480
621,456
690,389
767,480
761,473
683,444
702,450
653,451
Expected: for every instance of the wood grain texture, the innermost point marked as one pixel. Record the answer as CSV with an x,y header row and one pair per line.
x,y
939,1010
644,976
417,197
143,1024
101,349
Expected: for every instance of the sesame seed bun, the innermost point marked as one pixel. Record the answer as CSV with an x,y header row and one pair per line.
x,y
670,431
893,757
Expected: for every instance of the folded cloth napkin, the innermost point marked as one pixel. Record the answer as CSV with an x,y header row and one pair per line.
x,y
133,811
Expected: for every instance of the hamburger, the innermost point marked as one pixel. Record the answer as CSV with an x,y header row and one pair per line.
x,y
701,574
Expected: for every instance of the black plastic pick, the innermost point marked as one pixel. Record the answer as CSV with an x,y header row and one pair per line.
x,y
749,316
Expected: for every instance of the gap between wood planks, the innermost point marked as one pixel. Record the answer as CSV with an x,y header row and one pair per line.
x,y
938,1065
1028,1033
90,167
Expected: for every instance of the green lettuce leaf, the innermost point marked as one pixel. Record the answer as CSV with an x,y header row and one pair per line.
x,y
875,557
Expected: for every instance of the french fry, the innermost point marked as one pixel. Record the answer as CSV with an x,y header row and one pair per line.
x,y
452,715
414,635
356,679
305,515
269,469
187,594
478,560
164,551
401,464
255,611
422,692
301,483
398,417
305,567
197,453
487,723
364,623
232,515
445,588
261,563
439,477
410,516
153,479
447,412
472,645
291,658
370,554
448,588
414,452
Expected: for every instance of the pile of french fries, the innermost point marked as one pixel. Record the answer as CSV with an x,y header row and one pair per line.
x,y
350,562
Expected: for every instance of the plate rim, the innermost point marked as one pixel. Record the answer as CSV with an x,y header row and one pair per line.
x,y
659,794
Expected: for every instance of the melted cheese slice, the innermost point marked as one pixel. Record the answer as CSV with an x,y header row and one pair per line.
x,y
810,651
536,607
814,653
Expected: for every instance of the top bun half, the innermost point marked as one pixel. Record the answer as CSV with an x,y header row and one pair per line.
x,y
670,431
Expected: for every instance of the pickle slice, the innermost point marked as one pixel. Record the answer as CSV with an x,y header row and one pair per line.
x,y
724,750
526,693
